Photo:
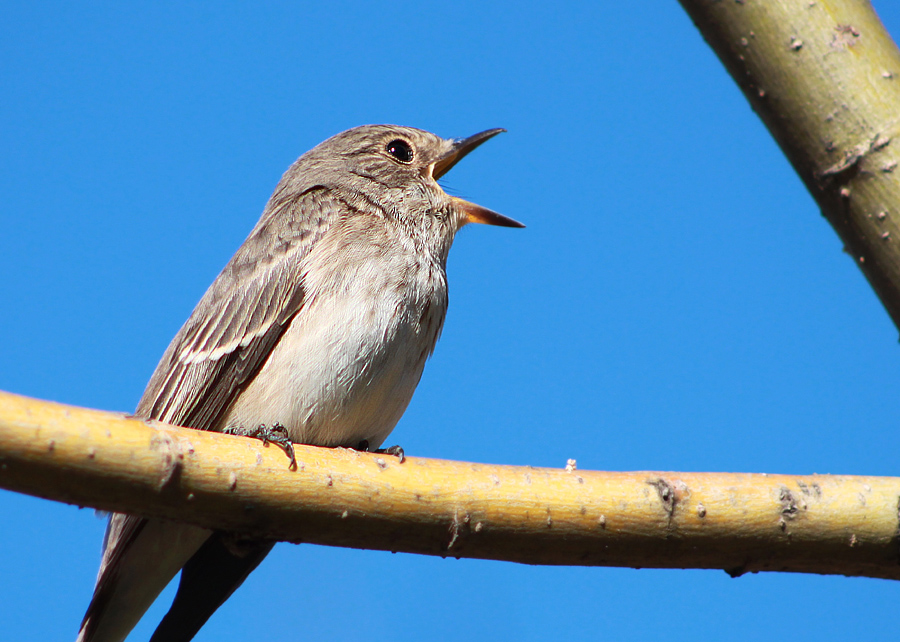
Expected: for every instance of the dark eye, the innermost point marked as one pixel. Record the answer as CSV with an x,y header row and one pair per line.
x,y
400,150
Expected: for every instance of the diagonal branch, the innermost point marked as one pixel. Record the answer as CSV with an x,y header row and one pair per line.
x,y
824,77
737,522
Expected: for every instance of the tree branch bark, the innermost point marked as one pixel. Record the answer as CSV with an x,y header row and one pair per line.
x,y
737,522
824,77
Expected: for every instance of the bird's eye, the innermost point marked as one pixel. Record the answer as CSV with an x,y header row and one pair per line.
x,y
400,150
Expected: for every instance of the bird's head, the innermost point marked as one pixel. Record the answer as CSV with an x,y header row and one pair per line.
x,y
396,169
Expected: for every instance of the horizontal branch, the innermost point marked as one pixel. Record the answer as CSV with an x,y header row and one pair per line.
x,y
737,522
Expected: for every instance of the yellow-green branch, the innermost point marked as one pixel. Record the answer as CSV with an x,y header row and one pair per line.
x,y
737,522
824,77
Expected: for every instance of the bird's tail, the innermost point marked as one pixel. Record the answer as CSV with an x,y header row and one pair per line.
x,y
140,557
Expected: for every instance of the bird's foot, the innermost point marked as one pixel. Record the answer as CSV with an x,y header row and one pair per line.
x,y
278,435
396,451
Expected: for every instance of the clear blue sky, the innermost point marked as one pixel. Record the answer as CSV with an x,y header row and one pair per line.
x,y
676,303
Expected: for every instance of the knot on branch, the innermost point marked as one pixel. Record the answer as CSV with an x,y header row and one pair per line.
x,y
172,452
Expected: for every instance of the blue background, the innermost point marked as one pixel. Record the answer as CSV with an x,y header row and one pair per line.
x,y
676,303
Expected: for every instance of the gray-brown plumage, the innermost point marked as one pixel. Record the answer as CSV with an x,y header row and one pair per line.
x,y
320,323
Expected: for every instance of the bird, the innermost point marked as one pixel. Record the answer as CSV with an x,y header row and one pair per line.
x,y
316,332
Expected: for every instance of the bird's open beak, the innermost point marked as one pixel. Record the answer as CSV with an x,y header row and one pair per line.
x,y
474,213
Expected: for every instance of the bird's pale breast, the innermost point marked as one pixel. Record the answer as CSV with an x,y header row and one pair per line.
x,y
347,366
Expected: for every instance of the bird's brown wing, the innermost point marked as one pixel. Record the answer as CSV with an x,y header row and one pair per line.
x,y
241,317
226,341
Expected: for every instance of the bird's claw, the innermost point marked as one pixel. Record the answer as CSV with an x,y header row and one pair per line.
x,y
278,435
396,451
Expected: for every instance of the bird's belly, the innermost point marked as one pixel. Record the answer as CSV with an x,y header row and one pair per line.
x,y
344,371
